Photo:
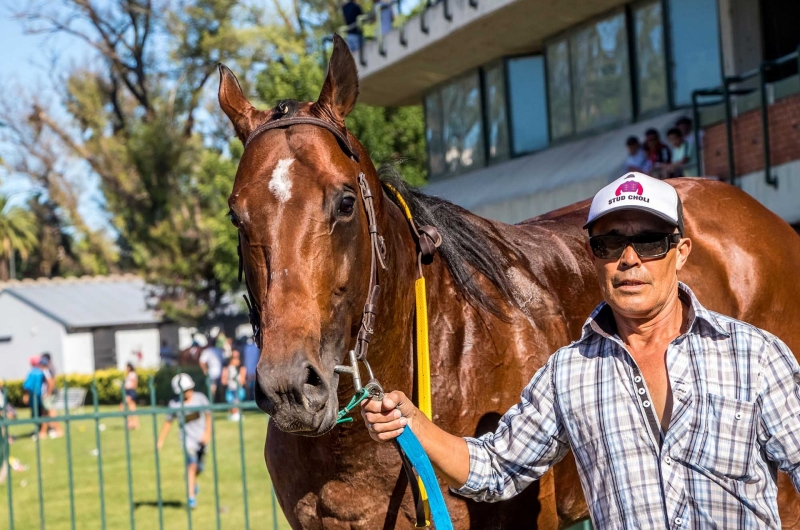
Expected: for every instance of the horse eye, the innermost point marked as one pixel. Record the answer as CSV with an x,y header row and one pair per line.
x,y
234,220
347,204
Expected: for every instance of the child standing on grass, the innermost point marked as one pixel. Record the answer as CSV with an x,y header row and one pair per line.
x,y
197,429
131,384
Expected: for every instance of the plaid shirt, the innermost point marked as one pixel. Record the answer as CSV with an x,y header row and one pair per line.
x,y
735,421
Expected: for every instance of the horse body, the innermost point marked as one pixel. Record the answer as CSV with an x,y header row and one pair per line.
x,y
501,299
480,363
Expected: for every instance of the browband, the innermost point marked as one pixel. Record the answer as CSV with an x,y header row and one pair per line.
x,y
280,123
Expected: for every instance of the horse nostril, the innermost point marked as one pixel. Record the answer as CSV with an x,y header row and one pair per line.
x,y
312,377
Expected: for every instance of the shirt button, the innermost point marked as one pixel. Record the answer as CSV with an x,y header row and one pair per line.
x,y
641,391
738,416
678,521
637,379
668,460
645,404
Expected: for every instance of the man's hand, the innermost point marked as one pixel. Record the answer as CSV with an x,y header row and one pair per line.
x,y
385,420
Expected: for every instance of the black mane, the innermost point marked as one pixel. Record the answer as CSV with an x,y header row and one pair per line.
x,y
466,247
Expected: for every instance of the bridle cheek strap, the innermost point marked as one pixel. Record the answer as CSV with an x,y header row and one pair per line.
x,y
377,256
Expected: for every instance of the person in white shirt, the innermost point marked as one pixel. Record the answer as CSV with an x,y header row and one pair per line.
x,y
211,363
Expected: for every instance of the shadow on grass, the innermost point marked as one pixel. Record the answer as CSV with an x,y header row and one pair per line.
x,y
164,503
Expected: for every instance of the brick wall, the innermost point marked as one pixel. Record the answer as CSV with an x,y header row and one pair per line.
x,y
784,131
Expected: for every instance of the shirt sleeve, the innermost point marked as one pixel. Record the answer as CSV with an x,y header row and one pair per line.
x,y
529,440
779,429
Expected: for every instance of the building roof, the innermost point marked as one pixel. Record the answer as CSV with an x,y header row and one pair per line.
x,y
88,302
600,156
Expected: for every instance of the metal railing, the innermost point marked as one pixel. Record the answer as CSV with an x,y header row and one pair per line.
x,y
725,92
69,419
371,27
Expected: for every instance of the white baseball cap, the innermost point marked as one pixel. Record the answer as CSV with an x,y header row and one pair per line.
x,y
182,383
637,191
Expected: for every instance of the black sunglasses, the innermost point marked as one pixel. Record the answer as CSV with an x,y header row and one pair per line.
x,y
647,245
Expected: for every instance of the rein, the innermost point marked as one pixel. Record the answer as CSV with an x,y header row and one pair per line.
x,y
416,464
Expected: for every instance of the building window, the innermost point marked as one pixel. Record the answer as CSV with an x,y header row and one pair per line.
x,y
494,88
600,74
695,47
433,133
651,68
528,103
559,88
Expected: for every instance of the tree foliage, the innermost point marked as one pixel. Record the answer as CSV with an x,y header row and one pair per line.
x,y
141,116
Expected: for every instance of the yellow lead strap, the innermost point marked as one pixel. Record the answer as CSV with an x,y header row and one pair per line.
x,y
423,350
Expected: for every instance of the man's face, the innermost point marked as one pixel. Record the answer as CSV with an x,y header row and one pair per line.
x,y
651,139
675,140
634,287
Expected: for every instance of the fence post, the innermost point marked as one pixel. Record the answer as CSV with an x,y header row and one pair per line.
x,y
244,467
68,436
151,385
93,388
131,508
7,462
182,427
214,451
37,427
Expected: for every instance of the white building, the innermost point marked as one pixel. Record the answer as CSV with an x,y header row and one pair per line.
x,y
84,323
529,103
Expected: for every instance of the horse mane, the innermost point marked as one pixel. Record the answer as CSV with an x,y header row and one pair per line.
x,y
466,247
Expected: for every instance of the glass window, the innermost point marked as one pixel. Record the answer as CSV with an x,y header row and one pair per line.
x,y
559,90
528,103
695,47
462,131
600,74
433,133
651,69
494,86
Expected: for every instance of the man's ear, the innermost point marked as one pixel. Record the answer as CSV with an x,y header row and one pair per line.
x,y
683,249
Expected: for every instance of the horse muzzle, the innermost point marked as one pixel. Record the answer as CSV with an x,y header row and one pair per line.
x,y
297,398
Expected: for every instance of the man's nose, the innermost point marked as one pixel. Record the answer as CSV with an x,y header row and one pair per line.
x,y
629,256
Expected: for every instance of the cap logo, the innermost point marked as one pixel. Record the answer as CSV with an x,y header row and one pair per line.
x,y
630,186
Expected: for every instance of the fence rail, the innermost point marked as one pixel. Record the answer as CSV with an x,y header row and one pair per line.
x,y
70,419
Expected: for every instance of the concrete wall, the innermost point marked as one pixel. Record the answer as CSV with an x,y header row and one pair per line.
x,y
78,353
146,341
31,334
785,200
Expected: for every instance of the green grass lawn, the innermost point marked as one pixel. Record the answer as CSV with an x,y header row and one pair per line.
x,y
54,462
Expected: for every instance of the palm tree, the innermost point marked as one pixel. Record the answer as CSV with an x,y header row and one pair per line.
x,y
17,233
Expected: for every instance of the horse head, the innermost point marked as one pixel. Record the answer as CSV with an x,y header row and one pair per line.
x,y
304,242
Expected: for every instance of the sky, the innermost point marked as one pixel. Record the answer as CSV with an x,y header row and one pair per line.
x,y
25,61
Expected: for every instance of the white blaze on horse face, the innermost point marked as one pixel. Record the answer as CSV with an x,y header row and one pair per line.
x,y
280,184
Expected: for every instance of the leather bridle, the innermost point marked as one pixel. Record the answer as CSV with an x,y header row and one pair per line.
x,y
377,255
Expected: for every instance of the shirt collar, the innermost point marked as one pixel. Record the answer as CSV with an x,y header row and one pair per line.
x,y
601,321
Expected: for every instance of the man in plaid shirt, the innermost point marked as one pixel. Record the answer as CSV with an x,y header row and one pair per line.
x,y
678,416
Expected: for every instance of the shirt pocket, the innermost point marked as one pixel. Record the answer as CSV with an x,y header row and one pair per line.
x,y
728,443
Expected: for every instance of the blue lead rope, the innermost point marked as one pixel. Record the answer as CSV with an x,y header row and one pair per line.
x,y
422,465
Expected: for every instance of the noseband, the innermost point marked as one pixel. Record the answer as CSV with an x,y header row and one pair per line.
x,y
378,250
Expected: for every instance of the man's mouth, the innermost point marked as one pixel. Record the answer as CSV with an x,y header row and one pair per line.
x,y
628,283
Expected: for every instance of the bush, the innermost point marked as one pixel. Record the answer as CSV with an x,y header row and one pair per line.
x,y
108,383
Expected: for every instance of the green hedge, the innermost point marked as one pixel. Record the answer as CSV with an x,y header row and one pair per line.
x,y
109,384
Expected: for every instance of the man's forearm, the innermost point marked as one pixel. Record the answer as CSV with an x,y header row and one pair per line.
x,y
448,453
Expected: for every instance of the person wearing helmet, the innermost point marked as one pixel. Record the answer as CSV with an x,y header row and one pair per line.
x,y
196,432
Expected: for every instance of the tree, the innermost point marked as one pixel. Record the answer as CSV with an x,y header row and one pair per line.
x,y
18,235
140,115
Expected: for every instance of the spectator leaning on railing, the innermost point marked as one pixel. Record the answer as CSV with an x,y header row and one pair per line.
x,y
351,11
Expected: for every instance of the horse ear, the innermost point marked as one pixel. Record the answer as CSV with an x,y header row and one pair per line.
x,y
340,91
234,103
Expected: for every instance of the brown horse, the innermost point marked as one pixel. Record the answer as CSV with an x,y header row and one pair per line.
x,y
502,298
